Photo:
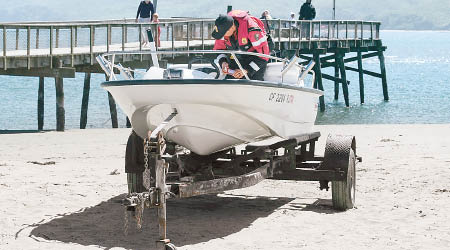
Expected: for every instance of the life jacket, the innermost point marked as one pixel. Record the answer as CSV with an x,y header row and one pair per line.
x,y
250,35
247,23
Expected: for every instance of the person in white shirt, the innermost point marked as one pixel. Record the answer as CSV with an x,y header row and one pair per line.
x,y
293,25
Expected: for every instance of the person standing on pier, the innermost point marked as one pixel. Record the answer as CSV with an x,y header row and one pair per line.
x,y
144,15
264,17
157,39
307,12
292,25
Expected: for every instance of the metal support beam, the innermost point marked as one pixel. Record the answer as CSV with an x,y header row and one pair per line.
x,y
310,175
223,184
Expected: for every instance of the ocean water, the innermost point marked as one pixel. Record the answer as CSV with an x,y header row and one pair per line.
x,y
418,74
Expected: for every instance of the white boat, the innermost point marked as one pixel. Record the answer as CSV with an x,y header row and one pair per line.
x,y
216,114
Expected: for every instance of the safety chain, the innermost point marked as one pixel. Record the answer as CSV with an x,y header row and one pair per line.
x,y
151,198
140,213
146,148
142,199
126,222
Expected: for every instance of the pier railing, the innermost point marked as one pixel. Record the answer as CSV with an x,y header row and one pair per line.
x,y
34,39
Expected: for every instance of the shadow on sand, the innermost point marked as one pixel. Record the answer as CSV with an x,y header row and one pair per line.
x,y
190,221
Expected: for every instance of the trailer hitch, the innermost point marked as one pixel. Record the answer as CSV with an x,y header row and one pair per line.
x,y
151,199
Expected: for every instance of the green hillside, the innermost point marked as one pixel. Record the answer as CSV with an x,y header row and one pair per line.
x,y
401,14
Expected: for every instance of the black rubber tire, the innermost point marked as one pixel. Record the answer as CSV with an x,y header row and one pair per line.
x,y
135,183
343,192
170,246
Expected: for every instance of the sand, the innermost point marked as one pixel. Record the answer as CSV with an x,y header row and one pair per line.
x,y
73,200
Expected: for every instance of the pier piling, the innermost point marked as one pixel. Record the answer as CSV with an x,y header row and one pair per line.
x,y
85,100
336,82
112,109
60,111
41,103
361,76
318,81
340,58
383,75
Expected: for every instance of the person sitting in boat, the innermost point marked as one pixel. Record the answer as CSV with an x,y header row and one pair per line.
x,y
240,31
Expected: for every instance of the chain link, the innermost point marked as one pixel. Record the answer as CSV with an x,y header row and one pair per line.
x,y
139,216
126,222
146,147
144,200
140,206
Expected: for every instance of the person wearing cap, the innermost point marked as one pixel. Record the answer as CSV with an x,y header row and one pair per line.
x,y
240,31
292,24
292,20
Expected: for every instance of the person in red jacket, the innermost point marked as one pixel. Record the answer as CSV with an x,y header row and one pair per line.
x,y
240,31
158,39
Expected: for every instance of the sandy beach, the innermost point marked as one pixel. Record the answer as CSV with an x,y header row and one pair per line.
x,y
63,191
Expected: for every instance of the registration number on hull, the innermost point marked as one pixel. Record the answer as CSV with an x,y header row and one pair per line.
x,y
281,98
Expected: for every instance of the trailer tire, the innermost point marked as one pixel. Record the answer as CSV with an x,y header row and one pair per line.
x,y
343,192
135,183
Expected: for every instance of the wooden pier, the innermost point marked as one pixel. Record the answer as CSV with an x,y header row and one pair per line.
x,y
58,50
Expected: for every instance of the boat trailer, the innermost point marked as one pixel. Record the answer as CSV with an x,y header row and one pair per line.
x,y
171,175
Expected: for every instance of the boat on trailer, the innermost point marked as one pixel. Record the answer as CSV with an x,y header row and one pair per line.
x,y
204,134
216,114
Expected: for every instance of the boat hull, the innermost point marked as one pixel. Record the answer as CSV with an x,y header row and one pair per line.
x,y
216,114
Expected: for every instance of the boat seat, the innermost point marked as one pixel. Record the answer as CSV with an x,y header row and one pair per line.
x,y
273,74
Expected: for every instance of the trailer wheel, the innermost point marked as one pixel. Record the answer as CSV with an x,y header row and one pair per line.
x,y
135,183
343,192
